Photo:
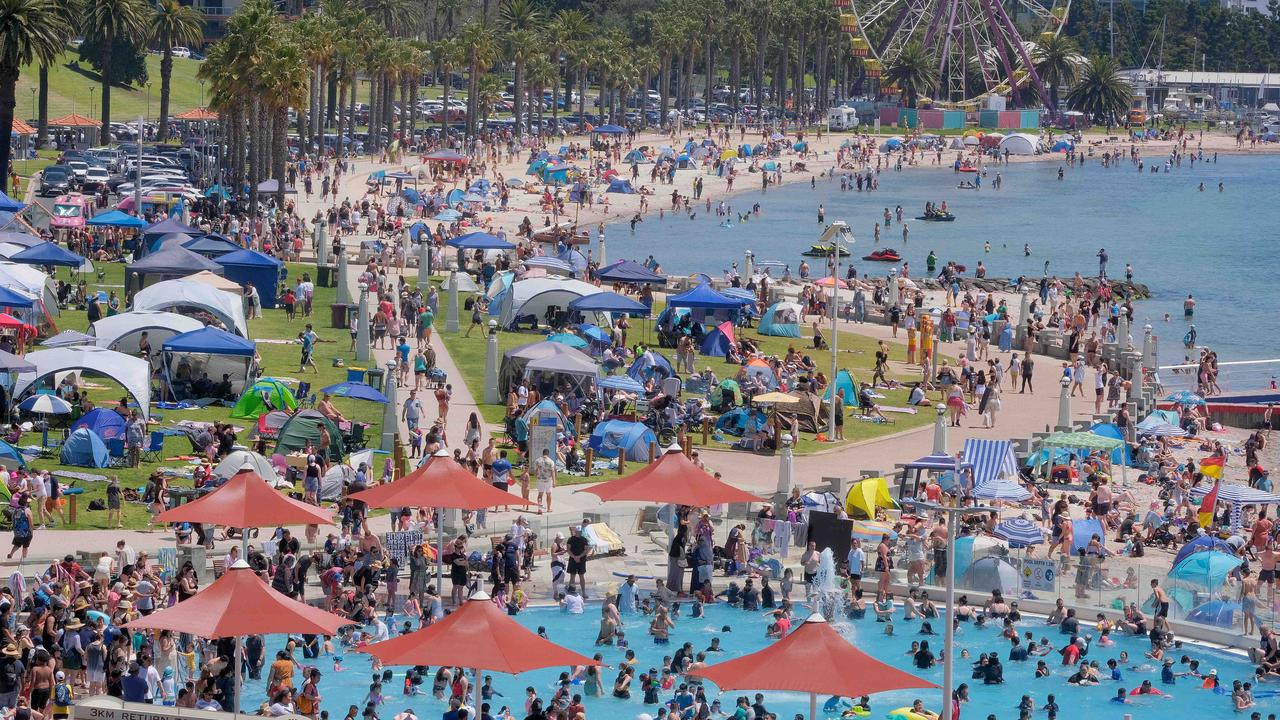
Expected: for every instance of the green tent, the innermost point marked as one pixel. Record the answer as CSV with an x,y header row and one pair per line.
x,y
304,427
266,395
729,386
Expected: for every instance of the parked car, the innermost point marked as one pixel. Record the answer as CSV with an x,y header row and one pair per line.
x,y
56,180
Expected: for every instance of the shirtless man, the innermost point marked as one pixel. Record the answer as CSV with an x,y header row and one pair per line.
x,y
326,408
1249,600
1159,599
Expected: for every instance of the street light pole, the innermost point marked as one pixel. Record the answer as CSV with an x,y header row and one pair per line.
x,y
835,234
949,636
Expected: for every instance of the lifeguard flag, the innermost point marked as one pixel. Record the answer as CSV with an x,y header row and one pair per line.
x,y
1212,466
1207,504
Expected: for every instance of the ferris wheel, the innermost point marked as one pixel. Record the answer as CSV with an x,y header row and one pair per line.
x,y
982,47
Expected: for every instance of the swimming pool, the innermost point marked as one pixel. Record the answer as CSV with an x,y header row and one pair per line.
x,y
351,686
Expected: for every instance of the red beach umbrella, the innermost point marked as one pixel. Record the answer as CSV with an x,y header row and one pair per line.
x,y
476,635
246,501
439,483
222,610
815,659
672,478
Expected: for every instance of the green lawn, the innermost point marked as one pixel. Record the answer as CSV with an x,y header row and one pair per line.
x,y
856,354
74,87
278,360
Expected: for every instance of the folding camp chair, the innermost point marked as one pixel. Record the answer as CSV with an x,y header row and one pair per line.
x,y
115,448
154,451
304,399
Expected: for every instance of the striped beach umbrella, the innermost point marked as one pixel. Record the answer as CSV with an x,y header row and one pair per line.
x,y
1185,398
47,404
870,532
1020,532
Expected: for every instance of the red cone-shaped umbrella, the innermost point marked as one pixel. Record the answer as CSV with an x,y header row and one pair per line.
x,y
476,635
813,659
672,478
441,483
240,603
246,501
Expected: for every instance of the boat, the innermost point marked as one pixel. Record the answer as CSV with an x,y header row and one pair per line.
x,y
822,251
967,169
967,185
937,217
883,256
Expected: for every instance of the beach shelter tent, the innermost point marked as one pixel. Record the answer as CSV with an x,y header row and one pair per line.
x,y
782,319
813,659
727,386
580,369
216,282
740,421
532,297
810,412
465,283
618,185
240,460
67,338
629,271
123,332
610,302
1020,144
1161,423
522,423
47,254
1206,570
866,495
188,294
170,262
719,341
266,395
169,226
212,246
651,364
1122,454
117,218
844,381
613,437
991,459
1201,543
303,427
703,297
1237,496
992,573
84,449
106,423
11,457
251,266
1081,443
213,351
132,373
514,361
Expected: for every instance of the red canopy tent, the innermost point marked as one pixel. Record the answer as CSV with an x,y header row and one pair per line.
x,y
237,604
815,659
246,501
672,478
480,636
438,483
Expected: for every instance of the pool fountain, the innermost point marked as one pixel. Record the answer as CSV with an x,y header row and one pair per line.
x,y
825,594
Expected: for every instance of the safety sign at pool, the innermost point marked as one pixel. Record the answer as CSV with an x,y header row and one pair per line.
x,y
1038,574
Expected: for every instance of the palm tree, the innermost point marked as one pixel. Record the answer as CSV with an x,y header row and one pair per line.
x,y
1057,62
109,21
31,31
172,23
70,9
539,75
397,17
488,93
446,54
565,29
1101,92
914,71
519,21
481,51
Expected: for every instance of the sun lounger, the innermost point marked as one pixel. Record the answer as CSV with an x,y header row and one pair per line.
x,y
604,541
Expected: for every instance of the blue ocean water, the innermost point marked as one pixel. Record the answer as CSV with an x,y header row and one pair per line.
x,y
351,686
1215,245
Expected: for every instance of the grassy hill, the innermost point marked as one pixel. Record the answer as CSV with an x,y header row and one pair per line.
x,y
69,90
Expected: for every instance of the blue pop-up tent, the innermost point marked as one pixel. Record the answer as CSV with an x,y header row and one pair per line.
x,y
651,364
612,437
251,266
480,241
619,185
718,342
84,449
608,302
740,421
705,297
212,246
103,422
210,340
782,319
609,130
46,254
843,381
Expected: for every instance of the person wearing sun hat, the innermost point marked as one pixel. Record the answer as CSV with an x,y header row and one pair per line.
x,y
11,671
